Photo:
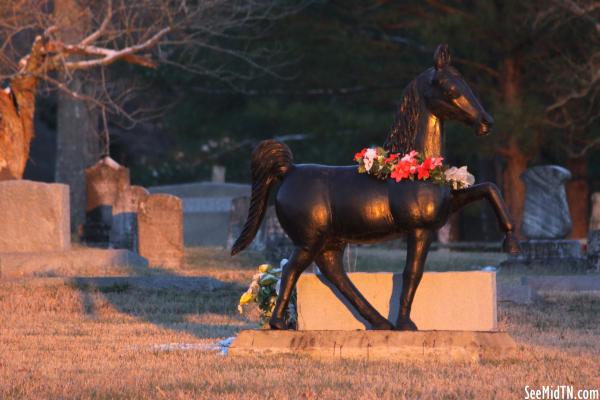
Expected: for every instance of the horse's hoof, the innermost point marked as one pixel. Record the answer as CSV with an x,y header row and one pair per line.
x,y
406,324
384,325
511,244
278,324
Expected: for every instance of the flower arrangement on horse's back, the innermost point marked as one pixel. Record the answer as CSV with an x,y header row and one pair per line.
x,y
411,166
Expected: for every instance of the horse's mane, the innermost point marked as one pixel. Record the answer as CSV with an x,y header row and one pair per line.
x,y
404,130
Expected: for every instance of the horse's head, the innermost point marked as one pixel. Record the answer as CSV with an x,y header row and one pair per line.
x,y
450,98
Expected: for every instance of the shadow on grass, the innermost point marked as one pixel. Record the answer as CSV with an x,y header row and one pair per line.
x,y
199,305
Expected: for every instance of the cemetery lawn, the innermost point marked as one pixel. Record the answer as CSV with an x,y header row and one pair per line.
x,y
58,340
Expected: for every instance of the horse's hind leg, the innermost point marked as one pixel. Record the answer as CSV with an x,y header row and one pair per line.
x,y
299,261
330,263
418,243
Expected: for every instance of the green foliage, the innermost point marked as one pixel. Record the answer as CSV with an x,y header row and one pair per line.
x,y
337,72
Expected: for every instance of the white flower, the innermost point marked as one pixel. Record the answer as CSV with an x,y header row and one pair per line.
x,y
368,158
283,262
278,287
459,177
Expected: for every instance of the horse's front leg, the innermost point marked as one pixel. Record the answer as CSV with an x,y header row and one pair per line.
x,y
491,193
418,243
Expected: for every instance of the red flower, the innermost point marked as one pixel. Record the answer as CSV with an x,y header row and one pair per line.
x,y
360,154
401,171
392,157
423,169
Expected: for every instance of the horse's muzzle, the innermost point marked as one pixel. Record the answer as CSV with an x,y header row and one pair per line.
x,y
485,124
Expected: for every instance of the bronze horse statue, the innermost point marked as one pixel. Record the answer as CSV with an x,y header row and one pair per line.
x,y
323,208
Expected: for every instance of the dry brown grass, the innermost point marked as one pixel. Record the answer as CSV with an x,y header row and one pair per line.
x,y
62,341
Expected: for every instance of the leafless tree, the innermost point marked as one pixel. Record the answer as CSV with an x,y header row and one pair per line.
x,y
573,86
69,46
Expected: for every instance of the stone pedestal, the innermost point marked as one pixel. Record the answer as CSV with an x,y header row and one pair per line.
x,y
34,216
444,301
375,345
74,262
547,253
593,249
104,181
160,229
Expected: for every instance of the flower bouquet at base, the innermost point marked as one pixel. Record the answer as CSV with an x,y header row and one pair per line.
x,y
412,166
263,292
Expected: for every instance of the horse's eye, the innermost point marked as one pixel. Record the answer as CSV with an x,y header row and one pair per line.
x,y
451,92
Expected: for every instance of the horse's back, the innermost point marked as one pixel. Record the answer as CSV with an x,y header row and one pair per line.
x,y
336,202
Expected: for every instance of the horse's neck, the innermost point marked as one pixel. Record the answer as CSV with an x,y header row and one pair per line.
x,y
429,140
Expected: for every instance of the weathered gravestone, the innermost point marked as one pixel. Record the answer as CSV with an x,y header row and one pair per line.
x,y
237,219
160,230
104,181
124,226
595,218
593,249
206,209
546,213
546,220
218,174
34,216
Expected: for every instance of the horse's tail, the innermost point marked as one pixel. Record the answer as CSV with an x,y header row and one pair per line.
x,y
270,161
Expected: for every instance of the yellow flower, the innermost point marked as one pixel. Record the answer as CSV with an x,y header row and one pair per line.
x,y
264,268
246,298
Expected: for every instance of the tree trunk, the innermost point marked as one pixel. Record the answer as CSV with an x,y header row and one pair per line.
x,y
17,108
578,194
77,141
516,159
513,186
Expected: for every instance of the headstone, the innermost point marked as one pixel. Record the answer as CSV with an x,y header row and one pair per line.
x,y
218,174
124,227
206,210
160,230
104,181
34,216
593,249
237,218
546,213
595,218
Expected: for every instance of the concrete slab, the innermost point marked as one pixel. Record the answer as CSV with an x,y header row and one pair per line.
x,y
375,345
179,283
81,261
516,293
461,301
564,283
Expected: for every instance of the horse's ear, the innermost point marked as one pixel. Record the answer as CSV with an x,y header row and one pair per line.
x,y
441,57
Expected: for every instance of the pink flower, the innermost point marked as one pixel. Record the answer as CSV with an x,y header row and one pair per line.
x,y
436,162
410,157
